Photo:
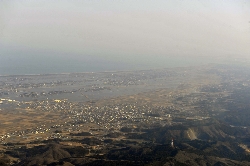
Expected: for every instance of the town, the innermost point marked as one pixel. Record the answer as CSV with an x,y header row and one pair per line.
x,y
114,106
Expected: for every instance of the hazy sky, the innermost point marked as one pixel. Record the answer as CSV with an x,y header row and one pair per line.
x,y
120,29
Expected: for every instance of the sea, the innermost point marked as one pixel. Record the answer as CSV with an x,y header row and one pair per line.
x,y
35,65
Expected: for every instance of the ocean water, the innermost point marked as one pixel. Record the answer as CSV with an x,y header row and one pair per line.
x,y
21,65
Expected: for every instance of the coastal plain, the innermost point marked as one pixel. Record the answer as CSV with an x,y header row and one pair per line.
x,y
106,111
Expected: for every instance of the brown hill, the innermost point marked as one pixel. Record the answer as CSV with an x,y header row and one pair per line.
x,y
48,154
